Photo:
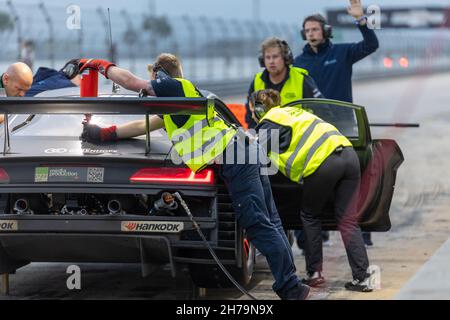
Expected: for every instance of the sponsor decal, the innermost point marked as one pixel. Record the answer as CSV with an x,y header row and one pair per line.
x,y
154,226
69,174
41,174
8,225
83,150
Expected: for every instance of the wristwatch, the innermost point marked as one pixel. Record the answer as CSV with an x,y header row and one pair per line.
x,y
358,21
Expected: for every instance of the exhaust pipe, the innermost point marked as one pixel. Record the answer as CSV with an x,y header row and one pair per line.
x,y
21,206
114,206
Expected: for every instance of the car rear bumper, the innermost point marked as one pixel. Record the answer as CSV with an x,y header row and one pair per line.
x,y
107,239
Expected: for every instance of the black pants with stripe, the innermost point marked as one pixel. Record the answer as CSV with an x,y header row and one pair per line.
x,y
340,175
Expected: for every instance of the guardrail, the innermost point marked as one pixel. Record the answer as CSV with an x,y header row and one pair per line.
x,y
239,87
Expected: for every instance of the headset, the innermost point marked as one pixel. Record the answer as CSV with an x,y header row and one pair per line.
x,y
326,28
160,72
286,51
259,108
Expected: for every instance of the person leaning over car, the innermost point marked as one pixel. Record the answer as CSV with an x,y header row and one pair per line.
x,y
50,79
16,81
331,65
315,154
278,74
250,191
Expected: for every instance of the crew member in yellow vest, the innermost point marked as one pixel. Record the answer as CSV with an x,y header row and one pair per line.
x,y
292,83
200,144
315,154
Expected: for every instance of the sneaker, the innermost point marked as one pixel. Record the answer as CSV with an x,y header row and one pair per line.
x,y
314,279
367,237
359,285
299,292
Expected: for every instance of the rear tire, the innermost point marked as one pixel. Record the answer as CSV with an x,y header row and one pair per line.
x,y
211,276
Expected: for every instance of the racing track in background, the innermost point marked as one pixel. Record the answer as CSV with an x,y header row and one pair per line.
x,y
418,212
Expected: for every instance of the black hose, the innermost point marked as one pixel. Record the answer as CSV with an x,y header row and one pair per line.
x,y
213,254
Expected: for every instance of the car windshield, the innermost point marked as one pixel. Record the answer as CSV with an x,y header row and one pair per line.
x,y
343,118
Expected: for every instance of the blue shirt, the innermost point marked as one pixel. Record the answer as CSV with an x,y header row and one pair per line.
x,y
332,66
48,79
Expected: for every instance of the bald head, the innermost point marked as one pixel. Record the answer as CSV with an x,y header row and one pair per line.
x,y
17,79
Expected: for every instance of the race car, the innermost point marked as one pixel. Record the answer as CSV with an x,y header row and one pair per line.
x,y
64,200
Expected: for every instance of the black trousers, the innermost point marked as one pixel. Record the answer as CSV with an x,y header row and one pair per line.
x,y
340,175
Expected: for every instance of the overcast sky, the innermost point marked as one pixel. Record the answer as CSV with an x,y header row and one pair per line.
x,y
291,11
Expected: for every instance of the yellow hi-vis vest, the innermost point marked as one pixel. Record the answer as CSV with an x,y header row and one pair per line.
x,y
292,89
313,140
197,143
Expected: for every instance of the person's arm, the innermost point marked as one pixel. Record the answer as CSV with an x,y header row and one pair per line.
x,y
369,44
248,113
137,128
129,81
2,118
120,76
310,89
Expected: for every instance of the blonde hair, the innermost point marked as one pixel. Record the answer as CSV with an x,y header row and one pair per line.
x,y
170,63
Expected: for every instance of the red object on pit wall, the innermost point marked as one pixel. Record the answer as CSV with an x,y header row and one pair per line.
x,y
89,83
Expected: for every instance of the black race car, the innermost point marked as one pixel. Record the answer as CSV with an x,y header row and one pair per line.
x,y
64,200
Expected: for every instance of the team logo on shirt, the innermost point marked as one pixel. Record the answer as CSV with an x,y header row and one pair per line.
x,y
328,62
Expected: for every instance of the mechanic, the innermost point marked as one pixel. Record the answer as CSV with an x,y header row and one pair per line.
x,y
51,79
315,154
16,81
249,190
292,83
331,65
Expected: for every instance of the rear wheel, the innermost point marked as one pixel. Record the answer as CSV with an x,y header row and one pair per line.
x,y
211,276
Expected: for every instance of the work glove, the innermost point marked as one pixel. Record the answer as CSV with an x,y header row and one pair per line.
x,y
100,65
96,134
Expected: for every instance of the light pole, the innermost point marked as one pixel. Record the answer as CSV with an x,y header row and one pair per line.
x,y
226,55
130,38
104,21
192,45
208,28
19,28
51,38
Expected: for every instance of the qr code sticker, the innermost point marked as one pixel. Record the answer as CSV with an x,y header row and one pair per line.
x,y
95,174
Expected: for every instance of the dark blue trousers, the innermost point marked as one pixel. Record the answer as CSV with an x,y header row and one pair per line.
x,y
252,198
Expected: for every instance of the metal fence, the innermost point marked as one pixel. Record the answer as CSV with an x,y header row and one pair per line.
x,y
211,49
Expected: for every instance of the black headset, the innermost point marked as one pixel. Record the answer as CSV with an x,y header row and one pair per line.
x,y
161,73
326,28
286,51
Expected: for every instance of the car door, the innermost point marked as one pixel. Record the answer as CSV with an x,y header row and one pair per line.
x,y
379,161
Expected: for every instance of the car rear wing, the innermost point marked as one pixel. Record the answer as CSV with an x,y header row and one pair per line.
x,y
123,105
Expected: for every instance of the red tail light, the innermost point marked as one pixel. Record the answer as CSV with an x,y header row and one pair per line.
x,y
4,178
173,175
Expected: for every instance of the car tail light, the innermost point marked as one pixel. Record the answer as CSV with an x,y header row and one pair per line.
x,y
4,177
173,175
388,62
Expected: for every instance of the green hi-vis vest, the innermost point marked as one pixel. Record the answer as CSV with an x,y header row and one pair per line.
x,y
196,142
313,140
292,89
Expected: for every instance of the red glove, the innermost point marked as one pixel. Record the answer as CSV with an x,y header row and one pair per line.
x,y
100,65
96,134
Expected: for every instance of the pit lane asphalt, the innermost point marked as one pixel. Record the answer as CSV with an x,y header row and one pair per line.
x,y
420,223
